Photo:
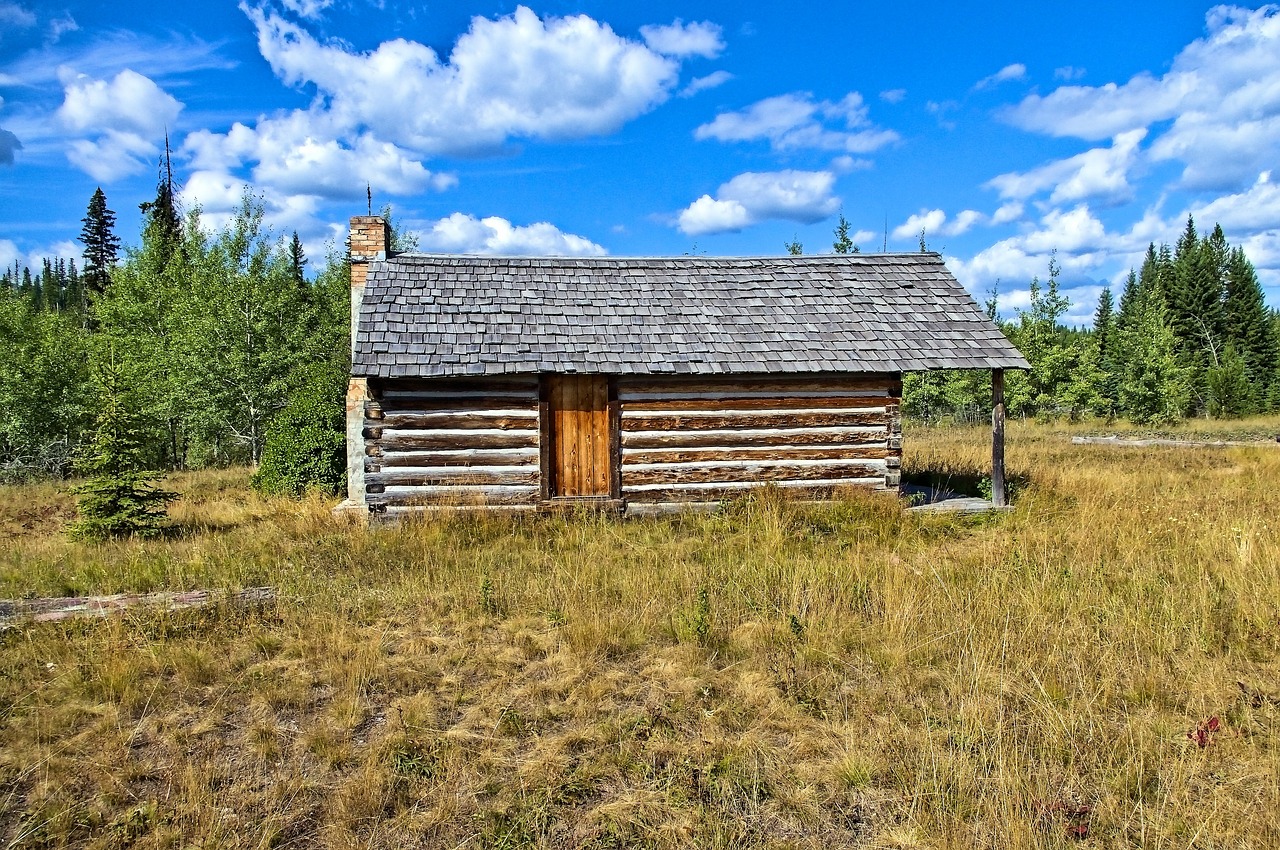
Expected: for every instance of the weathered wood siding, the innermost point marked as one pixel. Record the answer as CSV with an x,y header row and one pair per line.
x,y
452,441
700,439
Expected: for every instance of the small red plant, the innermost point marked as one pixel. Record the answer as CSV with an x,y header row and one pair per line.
x,y
1074,817
1204,731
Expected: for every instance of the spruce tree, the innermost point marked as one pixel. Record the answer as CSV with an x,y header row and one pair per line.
x,y
1248,325
297,261
1104,333
100,244
119,499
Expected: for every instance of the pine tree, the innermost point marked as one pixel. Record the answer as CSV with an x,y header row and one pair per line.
x,y
794,247
119,498
843,244
100,244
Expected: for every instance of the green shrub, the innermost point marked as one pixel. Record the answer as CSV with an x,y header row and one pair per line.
x,y
306,441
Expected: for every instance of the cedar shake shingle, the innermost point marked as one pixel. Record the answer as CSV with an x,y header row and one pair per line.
x,y
629,316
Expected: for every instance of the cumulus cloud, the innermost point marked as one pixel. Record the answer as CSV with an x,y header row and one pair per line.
x,y
794,121
679,39
518,76
893,95
9,144
1101,173
379,115
1221,93
710,81
122,120
461,233
128,103
1068,73
1016,71
934,222
293,155
803,196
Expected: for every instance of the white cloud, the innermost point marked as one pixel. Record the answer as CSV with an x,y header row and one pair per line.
x,y
1016,71
795,121
1255,209
111,155
128,103
930,221
58,27
844,164
1011,211
893,95
14,16
1222,94
680,39
1068,73
307,8
295,153
518,76
10,253
461,233
1099,173
803,196
934,223
124,118
710,81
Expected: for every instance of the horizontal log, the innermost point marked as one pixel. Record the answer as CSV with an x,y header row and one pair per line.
x,y
397,387
776,385
741,439
502,420
372,410
464,440
425,403
471,457
750,473
815,490
457,476
765,402
460,496
752,421
711,455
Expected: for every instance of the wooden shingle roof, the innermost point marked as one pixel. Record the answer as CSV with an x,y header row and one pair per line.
x,y
434,316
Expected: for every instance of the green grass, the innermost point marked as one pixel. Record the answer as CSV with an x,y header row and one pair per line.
x,y
774,675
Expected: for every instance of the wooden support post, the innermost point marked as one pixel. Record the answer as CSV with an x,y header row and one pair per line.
x,y
999,496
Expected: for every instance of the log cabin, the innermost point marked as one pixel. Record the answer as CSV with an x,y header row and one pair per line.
x,y
525,383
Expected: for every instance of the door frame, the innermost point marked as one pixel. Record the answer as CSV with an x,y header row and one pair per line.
x,y
546,437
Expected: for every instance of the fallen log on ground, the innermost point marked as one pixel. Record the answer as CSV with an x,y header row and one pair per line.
x,y
1145,442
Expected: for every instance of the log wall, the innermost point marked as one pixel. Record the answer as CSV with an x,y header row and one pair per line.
x,y
452,442
698,439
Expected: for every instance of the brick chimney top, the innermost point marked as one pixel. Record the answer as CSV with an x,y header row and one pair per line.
x,y
370,238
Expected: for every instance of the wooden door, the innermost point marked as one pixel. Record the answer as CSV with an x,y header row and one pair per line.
x,y
580,437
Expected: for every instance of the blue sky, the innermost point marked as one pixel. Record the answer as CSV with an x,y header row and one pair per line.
x,y
1006,134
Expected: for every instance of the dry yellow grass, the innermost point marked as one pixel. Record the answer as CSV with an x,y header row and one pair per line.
x,y
772,676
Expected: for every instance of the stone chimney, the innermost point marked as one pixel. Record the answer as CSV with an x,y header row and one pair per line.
x,y
370,242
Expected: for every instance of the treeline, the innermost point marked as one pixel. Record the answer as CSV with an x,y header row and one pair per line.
x,y
221,349
1191,336
202,337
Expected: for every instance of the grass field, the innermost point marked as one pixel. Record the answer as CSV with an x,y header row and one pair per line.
x,y
1100,668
